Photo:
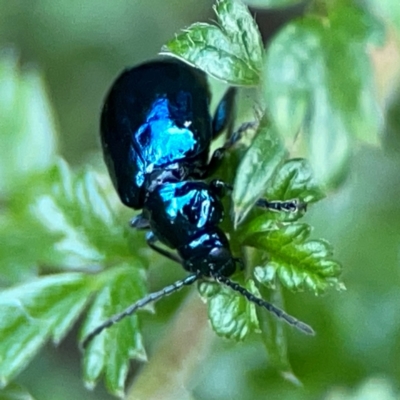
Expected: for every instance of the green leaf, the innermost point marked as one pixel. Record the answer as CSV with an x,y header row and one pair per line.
x,y
298,262
34,312
258,165
111,351
294,180
318,77
62,219
79,213
72,216
266,222
231,52
231,315
27,128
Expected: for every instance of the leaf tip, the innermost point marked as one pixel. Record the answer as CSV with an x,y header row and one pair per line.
x,y
289,376
239,214
139,355
90,384
119,393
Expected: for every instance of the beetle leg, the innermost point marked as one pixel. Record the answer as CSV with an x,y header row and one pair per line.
x,y
291,206
140,222
151,240
225,113
220,188
240,262
219,153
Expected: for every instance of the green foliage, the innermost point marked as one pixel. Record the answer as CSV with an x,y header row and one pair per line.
x,y
65,243
294,180
298,263
231,51
293,259
58,220
76,209
230,314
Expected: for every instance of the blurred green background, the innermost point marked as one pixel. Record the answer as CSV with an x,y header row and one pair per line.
x,y
80,47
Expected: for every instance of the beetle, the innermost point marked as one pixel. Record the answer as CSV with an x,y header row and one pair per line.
x,y
156,131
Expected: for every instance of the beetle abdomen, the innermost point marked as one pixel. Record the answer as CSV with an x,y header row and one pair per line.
x,y
155,115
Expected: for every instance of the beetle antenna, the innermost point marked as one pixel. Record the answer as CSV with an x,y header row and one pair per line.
x,y
301,326
151,298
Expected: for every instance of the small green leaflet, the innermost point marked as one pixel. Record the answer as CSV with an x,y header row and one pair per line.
x,y
289,257
48,307
231,315
231,52
298,262
294,180
73,216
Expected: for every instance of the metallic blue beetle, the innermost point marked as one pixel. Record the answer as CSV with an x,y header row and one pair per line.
x,y
156,131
